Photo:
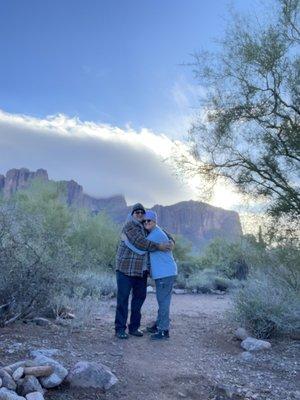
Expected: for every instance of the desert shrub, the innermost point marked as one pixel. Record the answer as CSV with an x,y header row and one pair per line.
x,y
181,280
84,310
183,249
95,285
202,281
207,280
93,241
221,283
34,263
43,247
268,305
233,259
188,267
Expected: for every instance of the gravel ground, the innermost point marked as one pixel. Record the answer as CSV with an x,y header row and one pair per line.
x,y
200,354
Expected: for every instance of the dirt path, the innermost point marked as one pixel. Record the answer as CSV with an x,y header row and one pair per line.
x,y
200,353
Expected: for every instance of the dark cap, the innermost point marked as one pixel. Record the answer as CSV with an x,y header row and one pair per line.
x,y
136,207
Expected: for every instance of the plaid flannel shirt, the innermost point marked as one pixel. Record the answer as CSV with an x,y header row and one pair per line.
x,y
129,262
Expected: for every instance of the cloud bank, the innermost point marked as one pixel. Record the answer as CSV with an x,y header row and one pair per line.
x,y
105,160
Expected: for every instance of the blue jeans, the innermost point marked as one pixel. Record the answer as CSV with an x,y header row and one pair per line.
x,y
164,287
138,286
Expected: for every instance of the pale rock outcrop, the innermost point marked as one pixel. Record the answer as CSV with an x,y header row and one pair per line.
x,y
91,375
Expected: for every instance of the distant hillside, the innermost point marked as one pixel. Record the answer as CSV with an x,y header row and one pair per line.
x,y
197,221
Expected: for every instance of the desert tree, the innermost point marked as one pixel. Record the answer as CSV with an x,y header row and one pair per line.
x,y
248,130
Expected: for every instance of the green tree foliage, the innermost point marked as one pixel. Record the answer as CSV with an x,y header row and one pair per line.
x,y
44,246
251,130
93,240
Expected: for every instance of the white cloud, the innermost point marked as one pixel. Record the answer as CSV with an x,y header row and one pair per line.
x,y
105,160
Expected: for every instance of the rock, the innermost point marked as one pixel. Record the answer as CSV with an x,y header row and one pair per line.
x,y
44,352
241,334
6,394
0,382
252,344
7,380
19,372
150,289
58,375
42,370
179,291
34,396
247,356
91,375
8,370
29,384
41,321
23,363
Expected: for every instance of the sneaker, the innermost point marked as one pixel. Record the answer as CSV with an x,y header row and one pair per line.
x,y
152,329
137,333
160,335
121,335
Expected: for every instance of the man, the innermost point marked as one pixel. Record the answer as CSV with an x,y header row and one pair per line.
x,y
132,272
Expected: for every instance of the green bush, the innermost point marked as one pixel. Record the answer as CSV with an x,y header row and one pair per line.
x,y
45,245
93,241
267,306
96,285
202,281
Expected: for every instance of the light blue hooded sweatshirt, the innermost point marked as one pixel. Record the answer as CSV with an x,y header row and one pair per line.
x,y
162,262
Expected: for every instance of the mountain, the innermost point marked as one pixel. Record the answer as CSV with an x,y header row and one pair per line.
x,y
197,221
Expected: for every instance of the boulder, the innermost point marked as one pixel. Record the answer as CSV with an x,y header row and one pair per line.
x,y
91,375
241,334
252,344
58,375
29,384
6,394
34,396
7,380
19,372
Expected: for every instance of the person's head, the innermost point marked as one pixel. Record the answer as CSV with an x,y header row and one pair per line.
x,y
138,212
150,220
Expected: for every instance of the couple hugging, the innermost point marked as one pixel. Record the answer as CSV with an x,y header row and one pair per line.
x,y
144,249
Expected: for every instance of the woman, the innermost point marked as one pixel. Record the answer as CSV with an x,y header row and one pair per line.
x,y
163,271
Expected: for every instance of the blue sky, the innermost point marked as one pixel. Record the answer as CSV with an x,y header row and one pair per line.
x,y
110,61
96,90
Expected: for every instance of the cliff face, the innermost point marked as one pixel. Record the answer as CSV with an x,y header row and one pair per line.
x,y
198,222
19,179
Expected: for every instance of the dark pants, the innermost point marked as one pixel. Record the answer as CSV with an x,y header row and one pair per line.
x,y
125,284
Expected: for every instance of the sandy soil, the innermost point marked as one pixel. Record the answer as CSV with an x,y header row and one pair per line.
x,y
200,353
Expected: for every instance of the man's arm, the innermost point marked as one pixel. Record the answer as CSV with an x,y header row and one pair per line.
x,y
137,239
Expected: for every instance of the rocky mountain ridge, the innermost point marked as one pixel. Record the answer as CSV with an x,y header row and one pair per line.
x,y
197,221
